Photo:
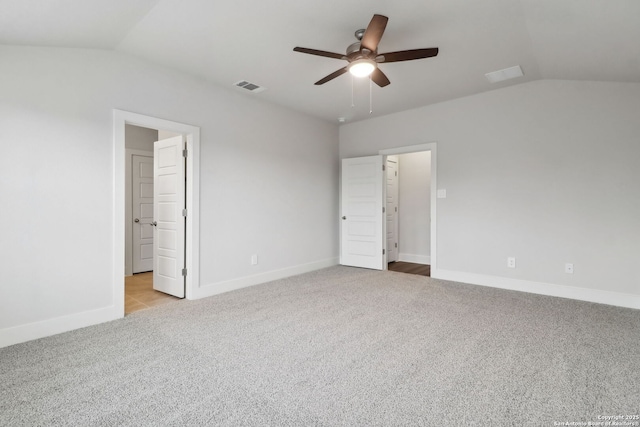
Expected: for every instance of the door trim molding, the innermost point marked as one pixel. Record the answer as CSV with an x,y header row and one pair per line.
x,y
120,119
432,147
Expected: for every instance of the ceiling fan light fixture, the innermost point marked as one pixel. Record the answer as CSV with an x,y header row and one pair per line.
x,y
363,58
362,67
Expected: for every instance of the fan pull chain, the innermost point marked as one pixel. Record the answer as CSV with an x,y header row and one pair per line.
x,y
370,96
352,103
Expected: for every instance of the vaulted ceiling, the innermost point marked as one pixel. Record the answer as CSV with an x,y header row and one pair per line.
x,y
226,41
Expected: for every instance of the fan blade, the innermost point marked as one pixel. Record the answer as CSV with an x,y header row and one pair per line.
x,y
379,78
332,76
374,32
319,53
407,55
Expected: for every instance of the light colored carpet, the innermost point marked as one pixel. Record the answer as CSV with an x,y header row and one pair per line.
x,y
340,346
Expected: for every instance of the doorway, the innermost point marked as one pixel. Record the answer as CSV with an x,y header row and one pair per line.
x,y
426,217
363,236
123,217
145,254
408,212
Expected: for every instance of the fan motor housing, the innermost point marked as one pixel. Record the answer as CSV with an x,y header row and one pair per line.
x,y
355,52
353,47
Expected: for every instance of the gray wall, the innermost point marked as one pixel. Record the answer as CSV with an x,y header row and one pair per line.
x,y
139,138
269,180
414,197
545,171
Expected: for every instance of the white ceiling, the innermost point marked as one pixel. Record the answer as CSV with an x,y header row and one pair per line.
x,y
226,41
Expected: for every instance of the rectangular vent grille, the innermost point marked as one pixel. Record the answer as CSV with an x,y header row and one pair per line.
x,y
506,74
251,87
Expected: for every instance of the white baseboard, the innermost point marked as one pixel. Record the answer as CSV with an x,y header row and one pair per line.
x,y
57,325
583,294
45,328
244,282
416,259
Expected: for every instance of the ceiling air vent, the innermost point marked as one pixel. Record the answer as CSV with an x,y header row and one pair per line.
x,y
506,74
250,86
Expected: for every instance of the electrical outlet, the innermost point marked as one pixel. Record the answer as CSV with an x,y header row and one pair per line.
x,y
568,268
254,259
511,262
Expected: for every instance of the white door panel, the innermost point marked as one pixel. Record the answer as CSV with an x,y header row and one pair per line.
x,y
362,218
142,203
392,208
169,201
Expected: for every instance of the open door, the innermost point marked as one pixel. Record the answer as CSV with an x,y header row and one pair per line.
x,y
362,223
169,221
392,208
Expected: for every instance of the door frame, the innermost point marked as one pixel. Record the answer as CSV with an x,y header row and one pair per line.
x,y
432,147
192,255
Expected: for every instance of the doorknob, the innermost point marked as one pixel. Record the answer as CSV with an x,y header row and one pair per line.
x,y
154,223
344,217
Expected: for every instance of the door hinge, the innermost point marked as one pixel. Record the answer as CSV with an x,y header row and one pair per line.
x,y
184,212
184,271
396,173
396,245
184,153
384,167
383,210
383,252
396,209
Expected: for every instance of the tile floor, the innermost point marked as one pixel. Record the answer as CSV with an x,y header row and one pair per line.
x,y
139,293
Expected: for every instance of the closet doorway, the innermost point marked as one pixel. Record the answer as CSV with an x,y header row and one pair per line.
x,y
140,292
186,270
408,212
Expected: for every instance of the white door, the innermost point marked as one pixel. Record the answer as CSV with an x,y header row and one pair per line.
x,y
142,192
392,208
361,240
168,205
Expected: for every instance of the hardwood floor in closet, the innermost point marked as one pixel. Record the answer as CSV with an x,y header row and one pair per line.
x,y
411,268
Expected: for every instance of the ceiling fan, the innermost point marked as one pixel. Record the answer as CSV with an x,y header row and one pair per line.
x,y
363,56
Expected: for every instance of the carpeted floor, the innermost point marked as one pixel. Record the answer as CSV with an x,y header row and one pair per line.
x,y
339,346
